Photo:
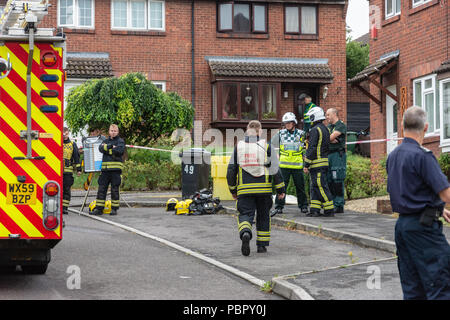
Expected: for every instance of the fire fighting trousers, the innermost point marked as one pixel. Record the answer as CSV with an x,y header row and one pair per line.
x,y
106,178
249,205
299,182
67,185
337,165
321,196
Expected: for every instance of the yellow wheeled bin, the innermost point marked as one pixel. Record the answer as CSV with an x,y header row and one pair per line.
x,y
219,165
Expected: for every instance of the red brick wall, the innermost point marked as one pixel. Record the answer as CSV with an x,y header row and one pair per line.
x,y
167,56
421,36
355,95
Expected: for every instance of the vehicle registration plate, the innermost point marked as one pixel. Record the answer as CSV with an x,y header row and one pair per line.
x,y
21,193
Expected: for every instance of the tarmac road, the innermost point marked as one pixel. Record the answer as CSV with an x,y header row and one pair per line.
x,y
117,264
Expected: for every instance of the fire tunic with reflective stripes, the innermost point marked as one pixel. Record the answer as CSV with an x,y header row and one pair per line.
x,y
254,169
112,157
317,153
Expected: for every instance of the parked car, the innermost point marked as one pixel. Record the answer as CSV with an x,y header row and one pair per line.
x,y
363,148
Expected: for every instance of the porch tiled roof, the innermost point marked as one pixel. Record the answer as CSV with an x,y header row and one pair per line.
x,y
444,67
283,68
88,66
371,69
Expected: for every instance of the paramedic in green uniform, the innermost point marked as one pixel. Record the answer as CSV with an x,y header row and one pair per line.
x,y
308,106
337,158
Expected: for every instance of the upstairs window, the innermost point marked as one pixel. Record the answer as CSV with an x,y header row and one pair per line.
x,y
242,17
392,8
76,13
300,19
426,96
137,14
416,3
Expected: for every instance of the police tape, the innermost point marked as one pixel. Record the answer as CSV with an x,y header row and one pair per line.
x,y
375,140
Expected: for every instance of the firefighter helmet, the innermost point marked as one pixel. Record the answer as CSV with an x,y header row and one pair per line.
x,y
181,207
289,117
316,114
170,204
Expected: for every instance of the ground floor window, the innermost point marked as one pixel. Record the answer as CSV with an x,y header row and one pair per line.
x,y
245,101
426,95
444,92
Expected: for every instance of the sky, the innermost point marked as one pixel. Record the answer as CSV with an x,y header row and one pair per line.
x,y
358,17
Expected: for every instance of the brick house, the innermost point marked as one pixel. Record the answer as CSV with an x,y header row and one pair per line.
x,y
409,65
235,61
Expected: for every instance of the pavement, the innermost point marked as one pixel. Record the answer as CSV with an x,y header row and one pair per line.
x,y
309,257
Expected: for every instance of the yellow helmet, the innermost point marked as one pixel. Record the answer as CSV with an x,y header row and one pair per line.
x,y
170,204
106,209
181,207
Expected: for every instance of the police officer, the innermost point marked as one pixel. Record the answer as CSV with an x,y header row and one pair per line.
x,y
316,162
337,159
290,142
72,162
308,106
249,176
418,191
113,149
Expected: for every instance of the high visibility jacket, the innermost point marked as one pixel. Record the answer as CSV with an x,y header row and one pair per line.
x,y
240,176
317,153
291,148
112,157
71,157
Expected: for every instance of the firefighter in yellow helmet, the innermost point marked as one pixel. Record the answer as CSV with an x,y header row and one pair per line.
x,y
72,162
251,169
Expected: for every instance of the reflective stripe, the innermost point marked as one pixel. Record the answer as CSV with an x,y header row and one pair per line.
x,y
322,192
254,185
280,185
253,191
244,225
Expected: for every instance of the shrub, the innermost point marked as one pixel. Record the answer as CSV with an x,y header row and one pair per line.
x,y
151,176
444,162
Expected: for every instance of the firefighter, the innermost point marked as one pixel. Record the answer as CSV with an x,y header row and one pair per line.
x,y
337,159
290,141
249,176
308,106
113,149
72,162
316,162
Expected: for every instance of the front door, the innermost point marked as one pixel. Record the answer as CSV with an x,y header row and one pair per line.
x,y
299,105
391,121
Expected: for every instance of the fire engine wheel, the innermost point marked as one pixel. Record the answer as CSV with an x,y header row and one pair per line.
x,y
36,269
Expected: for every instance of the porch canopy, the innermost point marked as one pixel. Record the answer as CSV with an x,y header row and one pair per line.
x,y
374,71
270,69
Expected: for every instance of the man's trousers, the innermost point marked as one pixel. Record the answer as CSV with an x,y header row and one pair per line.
x,y
337,167
299,182
67,185
106,178
423,259
320,193
247,206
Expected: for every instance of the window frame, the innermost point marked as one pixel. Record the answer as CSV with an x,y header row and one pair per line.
x,y
436,97
218,106
396,11
160,83
147,27
444,141
299,7
419,3
252,17
76,16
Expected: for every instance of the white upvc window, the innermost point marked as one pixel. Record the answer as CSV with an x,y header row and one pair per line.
x,y
426,95
444,93
138,15
416,3
161,85
392,8
76,13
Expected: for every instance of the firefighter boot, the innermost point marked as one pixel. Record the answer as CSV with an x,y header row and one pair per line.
x,y
113,212
262,249
97,211
276,211
245,249
65,210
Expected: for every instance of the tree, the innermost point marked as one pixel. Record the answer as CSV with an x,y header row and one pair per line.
x,y
142,112
357,57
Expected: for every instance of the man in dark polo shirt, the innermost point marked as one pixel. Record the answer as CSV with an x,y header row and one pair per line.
x,y
418,191
337,159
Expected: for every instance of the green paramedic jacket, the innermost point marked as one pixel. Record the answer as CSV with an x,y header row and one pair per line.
x,y
112,157
242,183
319,141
